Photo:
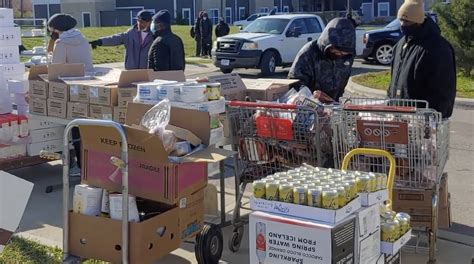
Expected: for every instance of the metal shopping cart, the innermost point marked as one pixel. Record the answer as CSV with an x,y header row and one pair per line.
x,y
272,137
415,135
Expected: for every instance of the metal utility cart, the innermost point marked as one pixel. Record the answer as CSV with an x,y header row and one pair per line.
x,y
208,242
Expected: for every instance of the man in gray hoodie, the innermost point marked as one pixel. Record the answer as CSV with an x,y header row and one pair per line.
x,y
137,41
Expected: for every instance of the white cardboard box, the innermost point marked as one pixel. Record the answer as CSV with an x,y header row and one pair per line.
x,y
34,149
368,199
9,54
367,221
307,212
213,107
285,240
6,17
17,86
47,134
35,124
13,69
14,195
391,248
10,36
368,249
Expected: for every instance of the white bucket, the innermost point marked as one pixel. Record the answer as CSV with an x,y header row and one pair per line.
x,y
192,93
87,200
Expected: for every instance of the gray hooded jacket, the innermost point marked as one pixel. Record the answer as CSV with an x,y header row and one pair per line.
x,y
316,70
72,47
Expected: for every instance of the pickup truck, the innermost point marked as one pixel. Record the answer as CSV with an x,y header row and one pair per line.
x,y
267,42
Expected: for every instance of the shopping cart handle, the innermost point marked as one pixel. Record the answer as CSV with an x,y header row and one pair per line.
x,y
49,155
265,105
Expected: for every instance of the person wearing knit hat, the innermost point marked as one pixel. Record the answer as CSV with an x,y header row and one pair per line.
x,y
424,66
137,41
167,51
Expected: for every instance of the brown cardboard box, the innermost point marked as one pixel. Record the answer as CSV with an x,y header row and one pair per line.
x,y
38,106
57,108
101,238
57,71
79,93
267,89
77,110
58,91
154,177
232,86
101,112
38,88
103,95
119,114
126,95
191,214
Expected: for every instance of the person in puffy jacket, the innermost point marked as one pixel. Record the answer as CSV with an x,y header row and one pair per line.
x,y
324,65
424,66
206,35
70,45
222,29
167,51
137,41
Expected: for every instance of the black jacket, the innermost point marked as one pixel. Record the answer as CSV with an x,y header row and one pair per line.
x,y
316,70
424,68
222,29
166,52
206,28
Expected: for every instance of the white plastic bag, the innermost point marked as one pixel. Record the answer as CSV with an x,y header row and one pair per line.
x,y
156,120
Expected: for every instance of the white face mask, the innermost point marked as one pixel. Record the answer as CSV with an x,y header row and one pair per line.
x,y
205,18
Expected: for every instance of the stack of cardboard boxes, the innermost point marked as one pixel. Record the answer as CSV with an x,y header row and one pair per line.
x,y
45,136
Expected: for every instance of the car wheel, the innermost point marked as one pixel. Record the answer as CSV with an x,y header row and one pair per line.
x,y
384,54
268,63
226,70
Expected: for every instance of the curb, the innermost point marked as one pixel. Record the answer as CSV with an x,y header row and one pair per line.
x,y
361,90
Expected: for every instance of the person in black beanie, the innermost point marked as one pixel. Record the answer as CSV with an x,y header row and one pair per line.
x,y
167,51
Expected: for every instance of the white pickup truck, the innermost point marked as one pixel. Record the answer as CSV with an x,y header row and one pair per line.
x,y
267,42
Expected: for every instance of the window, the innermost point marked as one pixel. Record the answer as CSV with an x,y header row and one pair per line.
x,y
214,15
242,12
186,14
298,25
263,9
384,9
313,25
286,9
270,26
228,15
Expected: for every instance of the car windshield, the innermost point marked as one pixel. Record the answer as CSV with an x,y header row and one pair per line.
x,y
269,25
252,17
394,24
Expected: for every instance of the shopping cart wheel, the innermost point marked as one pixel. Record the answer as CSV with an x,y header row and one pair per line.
x,y
72,260
236,239
209,245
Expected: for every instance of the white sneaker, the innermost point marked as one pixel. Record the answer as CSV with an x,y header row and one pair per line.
x,y
75,171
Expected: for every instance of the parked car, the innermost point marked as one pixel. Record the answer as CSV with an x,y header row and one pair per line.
x,y
250,19
267,42
379,43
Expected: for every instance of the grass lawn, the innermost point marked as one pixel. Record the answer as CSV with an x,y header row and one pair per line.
x,y
381,81
116,54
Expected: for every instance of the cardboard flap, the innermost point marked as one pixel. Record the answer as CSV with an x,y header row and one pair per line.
x,y
35,71
126,78
185,135
167,75
210,154
65,70
253,84
229,82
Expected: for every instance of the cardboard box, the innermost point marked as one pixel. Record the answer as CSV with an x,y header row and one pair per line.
x,y
267,89
57,108
38,106
103,95
232,86
368,249
9,55
10,36
391,248
101,238
35,124
14,195
34,149
79,93
367,221
101,112
390,259
191,215
77,110
307,212
38,87
212,107
17,87
126,95
178,76
154,177
47,134
58,91
278,239
368,199
119,114
13,69
6,17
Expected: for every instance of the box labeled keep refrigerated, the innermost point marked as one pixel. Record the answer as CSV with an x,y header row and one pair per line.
x,y
34,149
232,86
278,239
391,248
35,124
13,69
57,108
77,110
101,112
307,212
377,197
10,36
38,87
47,134
38,106
267,89
9,55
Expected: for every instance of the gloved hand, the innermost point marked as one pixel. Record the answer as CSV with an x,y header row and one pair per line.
x,y
96,43
323,97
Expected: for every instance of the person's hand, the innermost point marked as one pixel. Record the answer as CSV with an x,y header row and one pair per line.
x,y
96,43
323,97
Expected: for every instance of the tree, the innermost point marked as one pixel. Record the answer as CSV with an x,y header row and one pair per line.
x,y
456,21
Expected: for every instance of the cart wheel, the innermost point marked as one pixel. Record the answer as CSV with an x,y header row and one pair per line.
x,y
209,245
49,189
236,239
72,260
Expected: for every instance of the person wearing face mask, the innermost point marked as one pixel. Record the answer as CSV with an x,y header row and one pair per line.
x,y
70,46
423,67
137,41
222,29
324,65
196,33
206,35
167,51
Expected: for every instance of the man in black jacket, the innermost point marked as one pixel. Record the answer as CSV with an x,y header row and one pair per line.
x,y
206,35
424,64
222,29
167,51
196,34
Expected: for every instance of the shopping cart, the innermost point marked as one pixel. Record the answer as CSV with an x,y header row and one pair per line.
x,y
415,135
208,242
272,137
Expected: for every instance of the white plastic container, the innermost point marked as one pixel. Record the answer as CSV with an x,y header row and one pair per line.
x,y
87,200
115,201
169,91
192,93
